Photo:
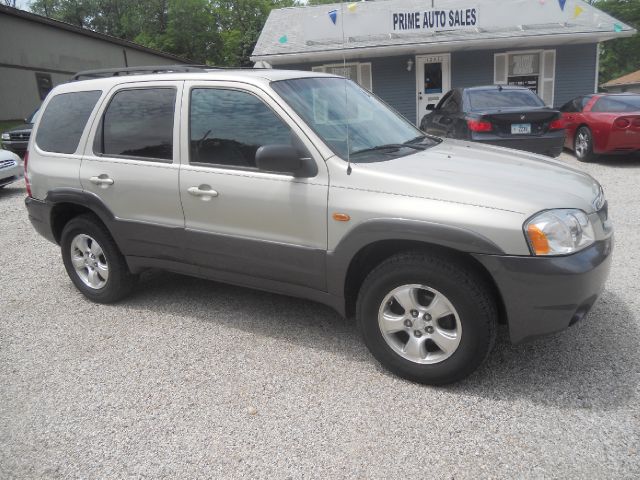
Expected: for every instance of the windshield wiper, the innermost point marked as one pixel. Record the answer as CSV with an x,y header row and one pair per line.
x,y
389,146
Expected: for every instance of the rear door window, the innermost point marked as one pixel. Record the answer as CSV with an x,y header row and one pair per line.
x,y
498,99
64,119
138,123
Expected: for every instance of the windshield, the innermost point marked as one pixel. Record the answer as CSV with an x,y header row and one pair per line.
x,y
618,104
351,120
501,99
33,117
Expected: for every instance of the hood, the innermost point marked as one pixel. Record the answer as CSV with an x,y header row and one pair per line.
x,y
25,127
481,175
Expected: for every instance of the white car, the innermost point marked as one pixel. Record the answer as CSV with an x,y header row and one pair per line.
x,y
10,167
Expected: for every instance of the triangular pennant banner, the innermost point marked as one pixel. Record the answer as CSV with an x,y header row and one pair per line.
x,y
352,7
617,27
577,11
562,4
333,15
283,39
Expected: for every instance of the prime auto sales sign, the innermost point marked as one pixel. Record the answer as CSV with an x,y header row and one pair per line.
x,y
434,19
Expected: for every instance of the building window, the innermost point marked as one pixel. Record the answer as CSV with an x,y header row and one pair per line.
x,y
43,80
532,69
358,72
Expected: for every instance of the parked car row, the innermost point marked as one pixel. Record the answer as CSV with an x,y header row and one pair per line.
x,y
516,117
17,139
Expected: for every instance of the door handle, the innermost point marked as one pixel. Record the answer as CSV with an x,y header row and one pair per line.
x,y
203,191
102,180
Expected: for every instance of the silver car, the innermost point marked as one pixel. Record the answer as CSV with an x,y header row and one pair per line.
x,y
10,168
305,184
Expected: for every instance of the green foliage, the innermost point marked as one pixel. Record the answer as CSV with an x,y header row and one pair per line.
x,y
620,56
220,32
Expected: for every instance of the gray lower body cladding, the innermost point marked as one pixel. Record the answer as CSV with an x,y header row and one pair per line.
x,y
543,295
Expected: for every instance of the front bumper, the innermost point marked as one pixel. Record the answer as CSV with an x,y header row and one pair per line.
x,y
543,295
11,174
550,144
18,147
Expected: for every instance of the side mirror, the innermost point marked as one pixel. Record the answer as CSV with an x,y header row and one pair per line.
x,y
285,159
431,106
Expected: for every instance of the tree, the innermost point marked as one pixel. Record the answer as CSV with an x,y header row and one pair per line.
x,y
222,32
622,55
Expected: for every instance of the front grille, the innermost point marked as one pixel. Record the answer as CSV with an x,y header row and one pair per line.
x,y
7,163
20,136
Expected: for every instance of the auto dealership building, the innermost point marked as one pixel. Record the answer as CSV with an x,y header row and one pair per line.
x,y
411,52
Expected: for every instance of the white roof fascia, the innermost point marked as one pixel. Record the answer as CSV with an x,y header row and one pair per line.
x,y
522,41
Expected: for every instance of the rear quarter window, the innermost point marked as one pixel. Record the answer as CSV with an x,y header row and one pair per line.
x,y
621,104
64,119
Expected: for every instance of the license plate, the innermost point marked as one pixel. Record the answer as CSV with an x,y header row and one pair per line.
x,y
520,128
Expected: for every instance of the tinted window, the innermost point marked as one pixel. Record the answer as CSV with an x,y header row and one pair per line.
x,y
228,126
493,99
572,106
630,103
444,100
64,120
138,123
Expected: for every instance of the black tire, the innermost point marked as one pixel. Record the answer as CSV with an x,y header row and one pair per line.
x,y
465,290
584,153
120,281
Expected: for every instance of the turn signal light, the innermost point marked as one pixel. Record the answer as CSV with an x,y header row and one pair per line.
x,y
341,217
538,240
557,124
622,122
479,125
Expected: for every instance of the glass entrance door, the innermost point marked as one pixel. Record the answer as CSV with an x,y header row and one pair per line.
x,y
433,80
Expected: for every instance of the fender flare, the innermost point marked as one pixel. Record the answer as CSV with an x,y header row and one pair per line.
x,y
375,230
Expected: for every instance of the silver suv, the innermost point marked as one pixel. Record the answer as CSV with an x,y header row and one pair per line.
x,y
308,185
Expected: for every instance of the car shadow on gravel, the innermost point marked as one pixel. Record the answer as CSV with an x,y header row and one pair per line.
x,y
13,190
592,365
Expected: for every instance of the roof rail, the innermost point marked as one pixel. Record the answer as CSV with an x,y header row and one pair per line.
x,y
116,72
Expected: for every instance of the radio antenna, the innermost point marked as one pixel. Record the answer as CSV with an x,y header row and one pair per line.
x,y
346,96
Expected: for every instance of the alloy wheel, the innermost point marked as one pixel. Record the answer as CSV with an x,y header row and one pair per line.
x,y
420,324
89,261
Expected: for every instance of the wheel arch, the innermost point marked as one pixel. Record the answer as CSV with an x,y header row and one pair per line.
x,y
374,241
69,203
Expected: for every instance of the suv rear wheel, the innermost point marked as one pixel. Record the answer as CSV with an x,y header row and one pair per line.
x,y
93,261
426,319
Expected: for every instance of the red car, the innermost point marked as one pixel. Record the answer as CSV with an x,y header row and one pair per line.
x,y
602,124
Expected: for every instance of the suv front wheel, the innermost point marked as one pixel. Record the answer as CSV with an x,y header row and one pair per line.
x,y
426,319
93,261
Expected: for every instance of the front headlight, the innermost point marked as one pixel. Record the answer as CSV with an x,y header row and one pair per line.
x,y
6,136
559,232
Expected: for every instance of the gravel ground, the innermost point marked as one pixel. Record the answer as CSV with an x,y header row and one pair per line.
x,y
189,378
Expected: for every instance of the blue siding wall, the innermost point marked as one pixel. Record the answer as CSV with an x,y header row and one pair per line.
x,y
390,80
575,74
575,70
